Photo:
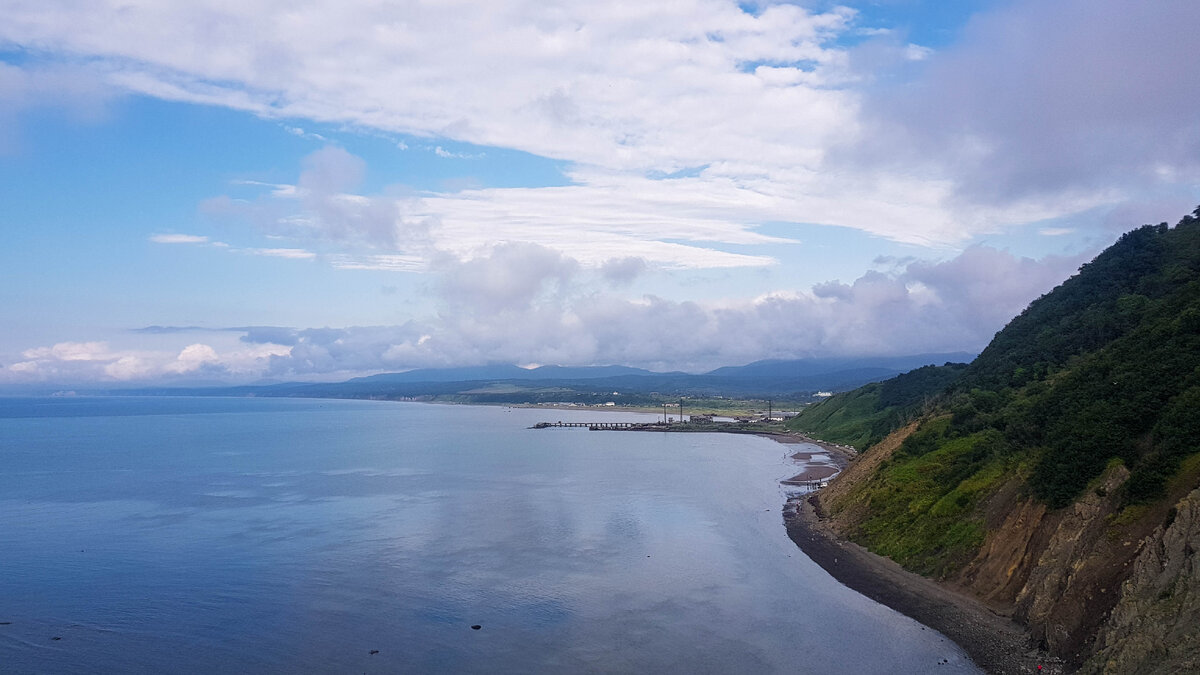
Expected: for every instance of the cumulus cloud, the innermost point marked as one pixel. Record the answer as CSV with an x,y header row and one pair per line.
x,y
922,306
322,206
325,191
522,304
510,276
621,271
98,362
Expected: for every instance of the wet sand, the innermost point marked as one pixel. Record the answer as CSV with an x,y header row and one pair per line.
x,y
995,643
840,453
811,473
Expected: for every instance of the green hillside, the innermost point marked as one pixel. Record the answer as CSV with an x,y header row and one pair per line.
x,y
1103,369
1106,367
862,417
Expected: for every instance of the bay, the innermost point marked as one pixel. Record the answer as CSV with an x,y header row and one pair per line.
x,y
179,535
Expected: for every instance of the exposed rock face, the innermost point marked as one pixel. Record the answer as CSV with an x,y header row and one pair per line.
x,y
1074,583
1017,536
1155,627
1060,572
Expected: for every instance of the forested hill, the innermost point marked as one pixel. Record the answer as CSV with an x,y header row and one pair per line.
x,y
864,416
1106,366
1090,398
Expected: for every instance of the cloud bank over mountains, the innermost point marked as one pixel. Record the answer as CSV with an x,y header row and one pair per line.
x,y
528,304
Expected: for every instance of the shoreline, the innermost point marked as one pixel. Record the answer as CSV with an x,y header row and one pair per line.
x,y
996,643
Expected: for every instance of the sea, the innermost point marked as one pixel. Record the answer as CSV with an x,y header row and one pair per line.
x,y
268,535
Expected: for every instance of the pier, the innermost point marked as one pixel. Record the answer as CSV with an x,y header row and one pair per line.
x,y
591,426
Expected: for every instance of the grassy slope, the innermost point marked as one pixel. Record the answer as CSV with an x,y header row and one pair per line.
x,y
1106,368
862,417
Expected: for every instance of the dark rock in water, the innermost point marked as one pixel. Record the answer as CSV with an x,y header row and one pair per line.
x,y
476,627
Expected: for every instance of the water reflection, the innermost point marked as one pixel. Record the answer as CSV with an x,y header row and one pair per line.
x,y
295,535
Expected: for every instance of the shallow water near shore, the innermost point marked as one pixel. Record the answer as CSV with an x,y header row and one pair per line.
x,y
279,535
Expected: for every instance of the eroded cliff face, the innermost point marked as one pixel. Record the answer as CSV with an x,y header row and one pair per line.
x,y
1074,582
1017,535
1060,572
1155,625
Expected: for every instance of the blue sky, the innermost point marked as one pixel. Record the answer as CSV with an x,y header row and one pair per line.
x,y
321,190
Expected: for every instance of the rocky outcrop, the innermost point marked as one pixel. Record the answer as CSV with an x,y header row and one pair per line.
x,y
1155,625
1060,572
1018,534
1074,583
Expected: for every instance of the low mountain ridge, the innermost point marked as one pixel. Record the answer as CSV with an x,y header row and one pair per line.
x,y
794,380
781,368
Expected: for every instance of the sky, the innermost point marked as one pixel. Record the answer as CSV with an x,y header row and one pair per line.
x,y
219,191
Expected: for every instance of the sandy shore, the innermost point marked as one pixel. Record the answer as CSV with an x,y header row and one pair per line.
x,y
810,474
995,643
842,454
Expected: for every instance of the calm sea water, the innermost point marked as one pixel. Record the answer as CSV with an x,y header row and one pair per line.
x,y
178,535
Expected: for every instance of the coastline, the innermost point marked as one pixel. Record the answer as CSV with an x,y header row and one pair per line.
x,y
995,643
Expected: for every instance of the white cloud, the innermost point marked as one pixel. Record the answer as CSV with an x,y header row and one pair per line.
x,y
299,131
178,239
446,154
628,90
1051,103
290,253
917,52
129,367
98,362
71,351
383,262
322,206
511,276
80,92
614,217
684,126
528,304
623,270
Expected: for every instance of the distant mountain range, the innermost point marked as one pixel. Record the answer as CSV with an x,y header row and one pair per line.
x,y
796,379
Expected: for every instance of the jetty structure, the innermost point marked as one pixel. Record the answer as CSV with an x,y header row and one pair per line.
x,y
591,426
